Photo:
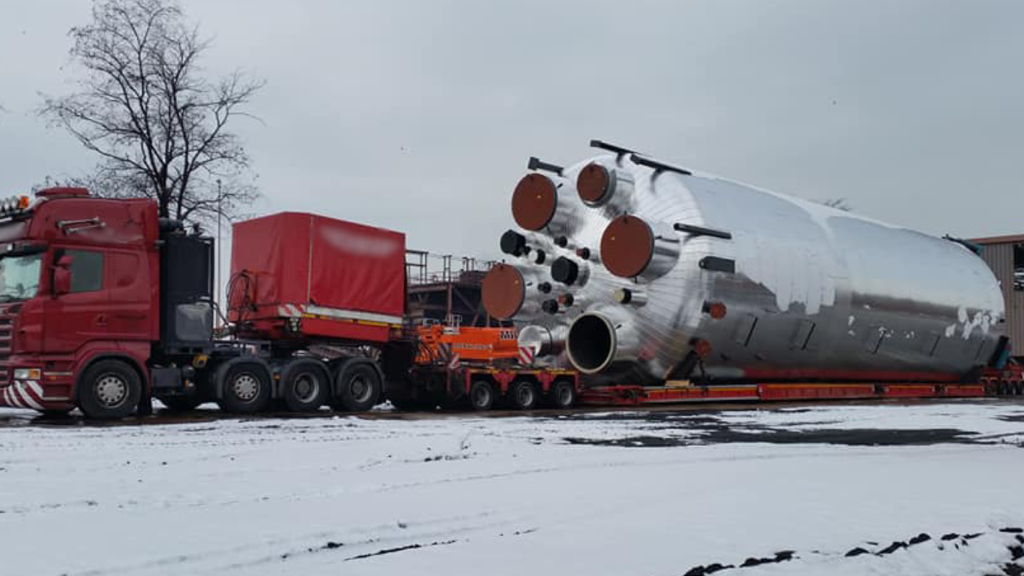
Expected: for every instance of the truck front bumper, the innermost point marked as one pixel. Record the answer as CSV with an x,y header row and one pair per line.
x,y
34,395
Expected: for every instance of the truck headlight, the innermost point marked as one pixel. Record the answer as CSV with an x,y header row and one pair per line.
x,y
27,373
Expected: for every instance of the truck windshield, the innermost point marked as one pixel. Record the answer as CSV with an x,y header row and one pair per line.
x,y
19,276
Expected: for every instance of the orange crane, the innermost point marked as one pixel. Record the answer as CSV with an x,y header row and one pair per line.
x,y
453,345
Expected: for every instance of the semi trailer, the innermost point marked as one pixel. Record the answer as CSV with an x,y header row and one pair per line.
x,y
104,306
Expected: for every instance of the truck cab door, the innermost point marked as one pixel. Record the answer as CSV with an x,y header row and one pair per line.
x,y
81,314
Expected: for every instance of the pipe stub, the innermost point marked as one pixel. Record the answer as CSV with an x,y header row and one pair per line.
x,y
534,202
513,243
627,246
503,291
565,270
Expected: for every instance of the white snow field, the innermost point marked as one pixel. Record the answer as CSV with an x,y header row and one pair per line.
x,y
925,488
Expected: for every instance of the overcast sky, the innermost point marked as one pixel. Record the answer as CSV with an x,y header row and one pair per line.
x,y
420,115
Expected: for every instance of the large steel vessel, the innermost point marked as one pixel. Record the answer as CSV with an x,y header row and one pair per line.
x,y
630,268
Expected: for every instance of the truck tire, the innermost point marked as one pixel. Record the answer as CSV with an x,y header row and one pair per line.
x,y
357,387
245,388
522,395
562,395
108,390
481,395
305,385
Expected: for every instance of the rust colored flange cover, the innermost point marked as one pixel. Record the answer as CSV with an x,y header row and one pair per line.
x,y
627,246
503,291
534,201
592,183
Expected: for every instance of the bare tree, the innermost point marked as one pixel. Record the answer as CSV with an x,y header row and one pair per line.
x,y
159,126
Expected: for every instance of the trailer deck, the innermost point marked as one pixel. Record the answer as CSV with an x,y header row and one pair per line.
x,y
993,383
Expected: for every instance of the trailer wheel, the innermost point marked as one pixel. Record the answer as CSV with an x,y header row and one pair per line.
x,y
562,395
109,389
245,388
358,387
523,395
481,395
304,385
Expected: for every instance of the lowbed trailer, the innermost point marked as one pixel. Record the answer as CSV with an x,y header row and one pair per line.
x,y
105,306
992,383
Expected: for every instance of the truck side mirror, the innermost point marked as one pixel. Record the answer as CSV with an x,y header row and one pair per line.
x,y
62,276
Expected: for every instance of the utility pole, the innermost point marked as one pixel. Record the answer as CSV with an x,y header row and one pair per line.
x,y
217,264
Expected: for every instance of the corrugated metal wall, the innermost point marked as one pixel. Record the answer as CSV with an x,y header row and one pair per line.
x,y
1000,258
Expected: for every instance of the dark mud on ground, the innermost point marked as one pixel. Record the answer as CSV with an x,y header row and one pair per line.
x,y
849,437
711,428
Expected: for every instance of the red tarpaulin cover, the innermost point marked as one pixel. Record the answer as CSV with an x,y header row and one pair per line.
x,y
298,258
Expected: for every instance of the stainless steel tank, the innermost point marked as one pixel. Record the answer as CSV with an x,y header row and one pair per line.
x,y
628,268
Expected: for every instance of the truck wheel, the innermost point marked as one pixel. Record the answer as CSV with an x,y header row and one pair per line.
x,y
245,388
185,403
109,389
481,395
304,385
358,388
523,395
562,395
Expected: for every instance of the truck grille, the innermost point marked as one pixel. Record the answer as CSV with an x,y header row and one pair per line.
x,y
7,313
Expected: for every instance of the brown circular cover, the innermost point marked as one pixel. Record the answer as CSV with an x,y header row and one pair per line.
x,y
503,291
592,183
627,246
534,201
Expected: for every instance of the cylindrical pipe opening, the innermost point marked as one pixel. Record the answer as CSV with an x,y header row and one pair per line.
x,y
630,296
591,343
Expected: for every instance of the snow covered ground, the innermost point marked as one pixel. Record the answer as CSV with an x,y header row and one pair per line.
x,y
926,488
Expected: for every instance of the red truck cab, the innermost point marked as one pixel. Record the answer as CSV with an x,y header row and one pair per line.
x,y
79,281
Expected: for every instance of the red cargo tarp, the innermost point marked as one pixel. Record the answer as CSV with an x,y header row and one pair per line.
x,y
337,268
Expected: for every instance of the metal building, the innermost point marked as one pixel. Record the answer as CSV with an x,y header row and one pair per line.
x,y
1005,255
